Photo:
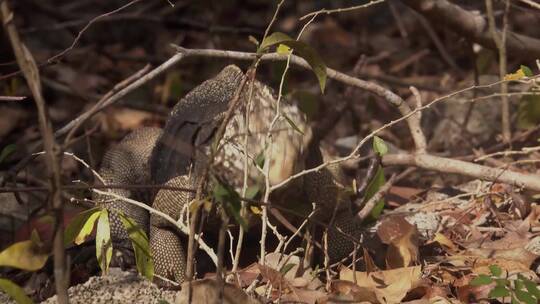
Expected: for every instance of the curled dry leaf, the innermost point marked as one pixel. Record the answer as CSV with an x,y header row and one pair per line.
x,y
510,267
287,290
402,239
534,216
511,247
247,275
445,242
347,291
389,286
471,294
273,276
207,291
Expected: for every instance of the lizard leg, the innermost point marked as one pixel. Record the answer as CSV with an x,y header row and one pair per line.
x,y
340,246
169,250
167,244
127,164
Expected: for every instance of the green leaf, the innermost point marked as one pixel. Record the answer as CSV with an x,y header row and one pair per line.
x,y
307,102
286,268
81,226
25,255
525,297
302,49
14,291
529,110
7,151
532,287
378,181
495,270
259,160
379,146
526,70
252,191
501,282
498,292
283,49
230,200
292,124
103,241
518,284
141,246
273,39
34,237
313,59
481,280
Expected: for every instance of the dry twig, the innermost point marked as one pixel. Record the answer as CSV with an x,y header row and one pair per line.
x,y
31,73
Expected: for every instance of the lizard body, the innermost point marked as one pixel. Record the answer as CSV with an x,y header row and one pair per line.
x,y
176,156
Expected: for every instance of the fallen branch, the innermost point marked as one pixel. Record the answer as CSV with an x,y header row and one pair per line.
x,y
474,27
448,165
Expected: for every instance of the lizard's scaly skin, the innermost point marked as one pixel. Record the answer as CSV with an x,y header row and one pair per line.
x,y
181,151
127,163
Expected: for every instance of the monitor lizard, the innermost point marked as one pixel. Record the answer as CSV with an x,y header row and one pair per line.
x,y
176,155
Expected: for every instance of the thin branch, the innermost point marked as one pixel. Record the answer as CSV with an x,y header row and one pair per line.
x,y
528,181
531,3
500,42
473,26
79,35
12,98
26,62
341,10
59,56
105,99
437,41
448,165
178,224
372,202
104,103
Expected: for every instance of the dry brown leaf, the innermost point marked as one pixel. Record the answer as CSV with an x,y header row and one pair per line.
x,y
129,119
444,241
207,291
302,295
273,276
390,286
445,274
435,291
292,264
534,216
471,294
248,274
346,291
509,266
513,239
405,192
402,238
370,264
520,255
285,290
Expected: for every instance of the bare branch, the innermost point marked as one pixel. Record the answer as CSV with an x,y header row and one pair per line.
x,y
448,165
26,62
474,27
